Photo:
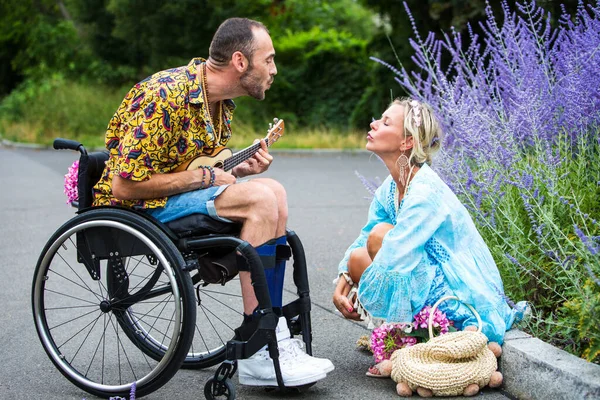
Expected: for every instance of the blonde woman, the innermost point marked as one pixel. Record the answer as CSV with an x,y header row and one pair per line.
x,y
419,243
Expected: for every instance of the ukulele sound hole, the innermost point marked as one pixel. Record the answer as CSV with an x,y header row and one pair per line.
x,y
218,165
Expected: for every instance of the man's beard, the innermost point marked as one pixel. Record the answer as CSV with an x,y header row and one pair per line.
x,y
251,83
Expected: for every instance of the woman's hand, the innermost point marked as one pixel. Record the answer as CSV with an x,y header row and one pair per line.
x,y
341,301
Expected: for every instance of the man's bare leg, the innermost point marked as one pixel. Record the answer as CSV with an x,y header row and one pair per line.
x,y
282,205
256,206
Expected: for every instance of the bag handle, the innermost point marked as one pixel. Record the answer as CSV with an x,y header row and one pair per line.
x,y
437,303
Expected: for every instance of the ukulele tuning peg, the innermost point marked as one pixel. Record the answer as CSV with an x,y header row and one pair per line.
x,y
275,120
270,126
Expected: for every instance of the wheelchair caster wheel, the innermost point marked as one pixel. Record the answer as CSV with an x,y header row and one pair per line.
x,y
217,389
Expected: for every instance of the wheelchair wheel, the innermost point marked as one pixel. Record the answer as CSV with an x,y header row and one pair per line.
x,y
98,274
219,313
219,390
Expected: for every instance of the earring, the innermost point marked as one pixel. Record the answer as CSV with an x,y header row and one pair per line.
x,y
402,163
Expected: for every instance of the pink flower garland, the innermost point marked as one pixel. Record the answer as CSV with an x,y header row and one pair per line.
x,y
440,322
388,338
71,183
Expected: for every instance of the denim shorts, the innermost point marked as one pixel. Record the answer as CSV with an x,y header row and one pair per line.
x,y
201,201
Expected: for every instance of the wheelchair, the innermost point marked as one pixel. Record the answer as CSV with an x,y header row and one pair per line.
x,y
119,299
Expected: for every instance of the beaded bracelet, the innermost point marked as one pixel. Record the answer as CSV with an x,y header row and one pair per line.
x,y
212,176
202,185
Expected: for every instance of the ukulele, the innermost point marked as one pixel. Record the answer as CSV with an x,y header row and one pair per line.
x,y
222,157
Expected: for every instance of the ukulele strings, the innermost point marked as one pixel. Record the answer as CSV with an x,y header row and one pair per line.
x,y
238,158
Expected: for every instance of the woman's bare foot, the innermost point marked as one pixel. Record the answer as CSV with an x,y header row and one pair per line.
x,y
381,370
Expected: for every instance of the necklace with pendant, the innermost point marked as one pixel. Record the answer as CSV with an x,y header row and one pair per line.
x,y
206,100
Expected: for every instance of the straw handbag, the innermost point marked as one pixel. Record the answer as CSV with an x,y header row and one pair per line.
x,y
446,364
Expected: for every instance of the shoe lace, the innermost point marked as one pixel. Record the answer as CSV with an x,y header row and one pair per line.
x,y
289,352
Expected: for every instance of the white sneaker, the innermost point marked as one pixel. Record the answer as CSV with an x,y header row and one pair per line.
x,y
259,370
315,362
296,347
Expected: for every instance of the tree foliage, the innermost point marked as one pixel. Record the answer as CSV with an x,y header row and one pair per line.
x,y
323,46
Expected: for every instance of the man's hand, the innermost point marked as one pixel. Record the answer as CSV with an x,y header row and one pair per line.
x,y
257,164
341,301
222,177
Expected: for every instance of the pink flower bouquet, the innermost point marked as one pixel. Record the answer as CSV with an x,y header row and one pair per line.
x,y
71,183
388,338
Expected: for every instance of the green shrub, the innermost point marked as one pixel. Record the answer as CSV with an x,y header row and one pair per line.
x,y
321,77
542,228
39,112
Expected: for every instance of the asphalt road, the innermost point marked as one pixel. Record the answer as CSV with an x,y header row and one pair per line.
x,y
328,206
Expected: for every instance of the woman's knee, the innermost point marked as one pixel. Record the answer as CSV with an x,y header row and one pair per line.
x,y
358,261
376,236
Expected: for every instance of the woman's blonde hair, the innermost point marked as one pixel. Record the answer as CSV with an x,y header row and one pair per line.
x,y
423,126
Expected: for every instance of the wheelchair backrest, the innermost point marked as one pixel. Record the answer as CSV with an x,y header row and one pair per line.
x,y
90,170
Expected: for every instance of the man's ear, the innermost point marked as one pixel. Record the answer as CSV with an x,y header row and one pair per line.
x,y
407,143
239,61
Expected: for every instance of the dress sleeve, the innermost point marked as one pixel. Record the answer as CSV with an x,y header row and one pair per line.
x,y
377,214
399,279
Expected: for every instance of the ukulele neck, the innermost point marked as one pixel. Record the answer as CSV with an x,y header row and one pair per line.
x,y
242,155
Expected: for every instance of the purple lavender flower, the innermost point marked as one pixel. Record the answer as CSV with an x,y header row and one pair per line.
x,y
370,185
520,83
132,391
589,244
592,275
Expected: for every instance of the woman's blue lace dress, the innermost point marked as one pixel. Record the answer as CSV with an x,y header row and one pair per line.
x,y
433,250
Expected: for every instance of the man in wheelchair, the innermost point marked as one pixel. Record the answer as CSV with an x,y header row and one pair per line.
x,y
177,115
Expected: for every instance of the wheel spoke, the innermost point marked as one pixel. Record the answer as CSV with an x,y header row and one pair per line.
x,y
84,339
80,278
78,332
168,327
156,320
204,310
70,307
122,347
221,293
102,339
226,305
73,319
86,287
72,297
202,338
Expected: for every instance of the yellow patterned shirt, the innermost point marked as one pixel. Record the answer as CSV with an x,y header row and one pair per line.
x,y
162,122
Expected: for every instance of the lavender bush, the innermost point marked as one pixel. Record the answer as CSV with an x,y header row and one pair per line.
x,y
520,108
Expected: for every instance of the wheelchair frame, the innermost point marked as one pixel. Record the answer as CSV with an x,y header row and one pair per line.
x,y
114,234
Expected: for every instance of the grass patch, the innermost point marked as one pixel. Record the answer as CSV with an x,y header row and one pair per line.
x,y
324,138
39,113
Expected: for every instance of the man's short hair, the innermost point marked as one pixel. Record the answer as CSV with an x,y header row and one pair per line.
x,y
234,34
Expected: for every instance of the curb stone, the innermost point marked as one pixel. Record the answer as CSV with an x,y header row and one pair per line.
x,y
534,369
